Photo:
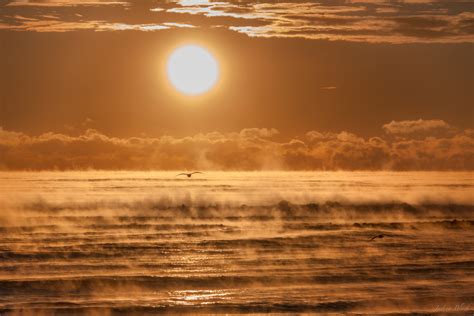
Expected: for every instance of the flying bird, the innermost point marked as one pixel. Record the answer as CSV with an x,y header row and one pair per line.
x,y
188,174
378,236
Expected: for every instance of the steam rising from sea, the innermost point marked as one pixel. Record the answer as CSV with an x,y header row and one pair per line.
x,y
149,242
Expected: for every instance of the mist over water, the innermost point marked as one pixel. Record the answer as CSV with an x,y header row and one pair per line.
x,y
149,242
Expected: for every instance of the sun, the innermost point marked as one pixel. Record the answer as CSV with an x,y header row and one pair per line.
x,y
192,70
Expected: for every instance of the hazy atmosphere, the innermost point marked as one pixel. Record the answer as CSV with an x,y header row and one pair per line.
x,y
199,156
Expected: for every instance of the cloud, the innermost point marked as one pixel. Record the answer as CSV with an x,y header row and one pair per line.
x,y
258,132
61,3
249,149
369,21
359,21
52,25
420,127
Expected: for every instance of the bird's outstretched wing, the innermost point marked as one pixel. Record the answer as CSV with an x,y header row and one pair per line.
x,y
378,236
196,172
182,174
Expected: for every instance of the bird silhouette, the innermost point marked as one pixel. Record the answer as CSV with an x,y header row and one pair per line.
x,y
378,236
188,174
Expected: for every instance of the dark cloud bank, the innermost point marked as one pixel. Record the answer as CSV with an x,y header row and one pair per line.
x,y
403,145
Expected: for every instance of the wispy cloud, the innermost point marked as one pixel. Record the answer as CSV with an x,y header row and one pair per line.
x,y
354,21
362,21
60,3
53,25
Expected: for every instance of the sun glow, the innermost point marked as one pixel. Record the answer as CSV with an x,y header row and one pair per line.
x,y
192,70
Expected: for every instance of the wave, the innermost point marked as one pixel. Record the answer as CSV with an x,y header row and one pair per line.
x,y
253,244
140,214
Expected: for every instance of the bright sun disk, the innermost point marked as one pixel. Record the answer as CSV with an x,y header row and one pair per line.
x,y
192,70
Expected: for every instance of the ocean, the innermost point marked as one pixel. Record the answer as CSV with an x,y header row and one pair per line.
x,y
138,243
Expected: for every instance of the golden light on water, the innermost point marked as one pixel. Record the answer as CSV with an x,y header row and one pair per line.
x,y
192,70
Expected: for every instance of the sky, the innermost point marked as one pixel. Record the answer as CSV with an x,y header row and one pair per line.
x,y
303,85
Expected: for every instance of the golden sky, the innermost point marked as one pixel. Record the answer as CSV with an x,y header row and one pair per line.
x,y
384,85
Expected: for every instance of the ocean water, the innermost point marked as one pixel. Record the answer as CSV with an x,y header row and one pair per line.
x,y
106,243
